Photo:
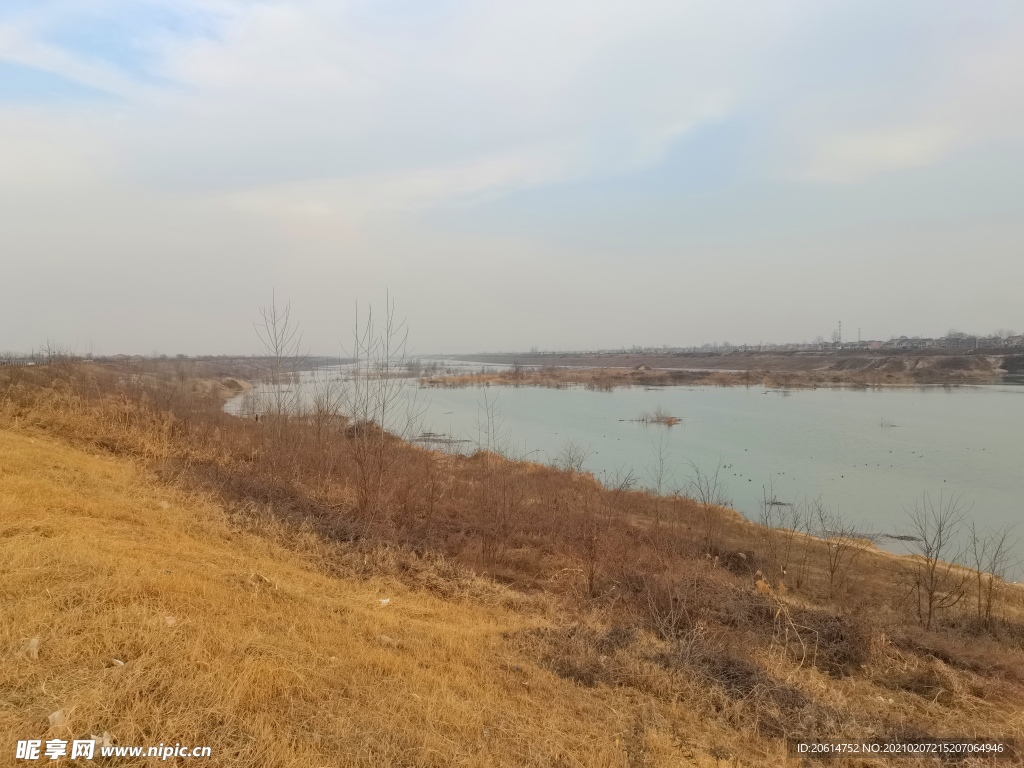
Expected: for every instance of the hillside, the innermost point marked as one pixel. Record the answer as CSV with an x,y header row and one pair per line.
x,y
305,591
229,639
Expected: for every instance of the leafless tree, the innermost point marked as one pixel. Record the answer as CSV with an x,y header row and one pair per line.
x,y
802,522
58,356
620,479
658,469
991,557
935,579
279,398
501,500
325,405
844,544
572,457
593,530
492,436
708,490
780,523
377,406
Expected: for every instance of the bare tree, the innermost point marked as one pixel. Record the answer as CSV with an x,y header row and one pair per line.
x,y
59,356
620,479
377,405
802,522
572,457
843,545
708,490
658,469
780,522
593,531
501,498
325,406
491,434
279,397
935,579
991,554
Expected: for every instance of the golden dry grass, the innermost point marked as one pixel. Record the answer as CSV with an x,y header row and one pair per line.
x,y
228,639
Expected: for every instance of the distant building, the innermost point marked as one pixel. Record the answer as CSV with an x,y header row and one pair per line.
x,y
906,343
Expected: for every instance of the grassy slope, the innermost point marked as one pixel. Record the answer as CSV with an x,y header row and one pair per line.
x,y
265,657
279,652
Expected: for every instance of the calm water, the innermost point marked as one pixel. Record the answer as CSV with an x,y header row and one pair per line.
x,y
827,442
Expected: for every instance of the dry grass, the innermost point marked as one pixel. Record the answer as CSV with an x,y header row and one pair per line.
x,y
660,416
229,639
537,618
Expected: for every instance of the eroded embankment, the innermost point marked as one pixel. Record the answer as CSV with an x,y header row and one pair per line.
x,y
804,369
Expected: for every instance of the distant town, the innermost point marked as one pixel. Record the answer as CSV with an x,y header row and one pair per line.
x,y
951,341
954,340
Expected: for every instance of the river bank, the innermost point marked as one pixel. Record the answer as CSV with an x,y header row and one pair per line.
x,y
777,370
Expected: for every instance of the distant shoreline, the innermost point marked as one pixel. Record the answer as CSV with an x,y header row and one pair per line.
x,y
785,370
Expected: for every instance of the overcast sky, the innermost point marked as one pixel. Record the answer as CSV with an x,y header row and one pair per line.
x,y
556,173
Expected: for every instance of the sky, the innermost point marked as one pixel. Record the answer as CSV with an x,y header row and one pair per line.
x,y
560,175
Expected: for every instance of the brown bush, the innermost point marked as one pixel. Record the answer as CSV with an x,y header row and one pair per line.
x,y
931,680
841,644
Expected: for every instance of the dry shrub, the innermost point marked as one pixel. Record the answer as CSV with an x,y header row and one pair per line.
x,y
1006,632
672,604
841,643
579,652
700,660
742,563
669,607
982,656
748,609
742,690
931,680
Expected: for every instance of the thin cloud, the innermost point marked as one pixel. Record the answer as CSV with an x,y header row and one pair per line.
x,y
438,147
852,157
